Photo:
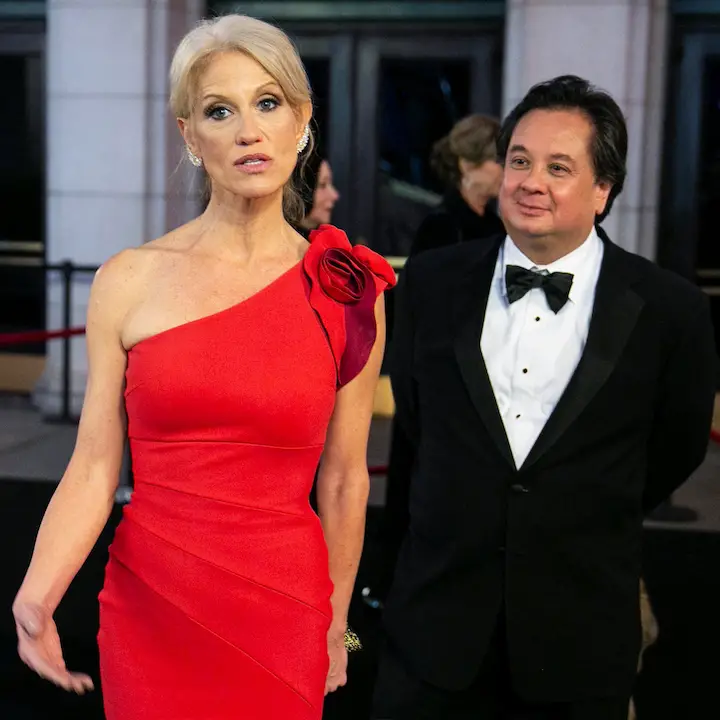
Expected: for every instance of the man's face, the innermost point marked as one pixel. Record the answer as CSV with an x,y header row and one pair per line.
x,y
549,188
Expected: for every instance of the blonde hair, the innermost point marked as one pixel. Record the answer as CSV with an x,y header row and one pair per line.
x,y
269,46
474,138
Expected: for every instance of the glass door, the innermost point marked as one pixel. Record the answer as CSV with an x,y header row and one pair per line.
x,y
390,78
328,61
22,181
708,185
409,93
691,194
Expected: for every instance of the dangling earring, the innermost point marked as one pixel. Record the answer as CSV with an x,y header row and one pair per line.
x,y
194,159
304,140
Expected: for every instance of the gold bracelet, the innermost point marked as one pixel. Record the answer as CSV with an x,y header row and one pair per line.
x,y
352,641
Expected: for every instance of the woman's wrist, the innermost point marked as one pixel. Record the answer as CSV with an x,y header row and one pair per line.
x,y
340,608
34,596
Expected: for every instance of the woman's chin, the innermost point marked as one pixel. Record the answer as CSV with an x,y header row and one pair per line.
x,y
256,189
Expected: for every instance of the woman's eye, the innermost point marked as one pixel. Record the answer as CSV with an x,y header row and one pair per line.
x,y
267,104
217,113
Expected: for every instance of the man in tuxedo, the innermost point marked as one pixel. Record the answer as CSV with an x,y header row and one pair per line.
x,y
556,389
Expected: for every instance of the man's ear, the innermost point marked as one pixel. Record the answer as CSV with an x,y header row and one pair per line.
x,y
602,194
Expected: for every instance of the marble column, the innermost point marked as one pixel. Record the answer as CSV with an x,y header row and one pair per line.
x,y
621,46
113,150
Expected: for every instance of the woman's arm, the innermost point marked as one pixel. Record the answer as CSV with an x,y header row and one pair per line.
x,y
82,503
343,481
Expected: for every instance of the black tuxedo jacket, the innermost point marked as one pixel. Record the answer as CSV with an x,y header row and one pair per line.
x,y
556,545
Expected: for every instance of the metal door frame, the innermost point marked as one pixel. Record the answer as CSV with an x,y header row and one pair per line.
x,y
479,48
679,208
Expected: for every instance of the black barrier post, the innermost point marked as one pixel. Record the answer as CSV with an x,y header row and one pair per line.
x,y
67,272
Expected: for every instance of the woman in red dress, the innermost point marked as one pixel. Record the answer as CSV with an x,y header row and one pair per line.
x,y
236,356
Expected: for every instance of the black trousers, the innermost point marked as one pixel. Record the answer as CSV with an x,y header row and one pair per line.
x,y
401,696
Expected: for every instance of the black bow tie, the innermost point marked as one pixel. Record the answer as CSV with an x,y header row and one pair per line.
x,y
556,286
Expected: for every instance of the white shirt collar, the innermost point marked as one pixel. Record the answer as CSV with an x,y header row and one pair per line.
x,y
582,263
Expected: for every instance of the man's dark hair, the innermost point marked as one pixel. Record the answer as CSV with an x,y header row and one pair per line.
x,y
608,147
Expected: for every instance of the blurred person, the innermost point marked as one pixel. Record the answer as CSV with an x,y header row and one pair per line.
x,y
465,160
318,193
556,389
237,353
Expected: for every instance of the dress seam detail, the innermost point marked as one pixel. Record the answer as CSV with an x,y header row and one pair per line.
x,y
227,570
315,446
218,500
213,633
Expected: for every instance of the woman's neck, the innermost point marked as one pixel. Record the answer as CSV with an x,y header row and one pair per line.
x,y
477,205
246,229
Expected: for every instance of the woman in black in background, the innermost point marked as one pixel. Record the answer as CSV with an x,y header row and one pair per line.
x,y
466,161
315,182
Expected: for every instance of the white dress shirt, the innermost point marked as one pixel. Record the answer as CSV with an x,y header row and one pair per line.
x,y
530,352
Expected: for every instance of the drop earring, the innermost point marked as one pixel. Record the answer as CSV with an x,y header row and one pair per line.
x,y
304,140
194,159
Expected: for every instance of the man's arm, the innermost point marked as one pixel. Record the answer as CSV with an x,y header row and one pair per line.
x,y
401,356
396,516
683,416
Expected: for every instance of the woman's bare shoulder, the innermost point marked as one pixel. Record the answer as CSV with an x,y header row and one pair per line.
x,y
123,280
133,264
174,241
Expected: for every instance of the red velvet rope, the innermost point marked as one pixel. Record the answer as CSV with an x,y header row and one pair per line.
x,y
33,336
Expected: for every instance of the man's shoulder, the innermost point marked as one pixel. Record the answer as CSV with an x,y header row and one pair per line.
x,y
663,288
447,263
659,280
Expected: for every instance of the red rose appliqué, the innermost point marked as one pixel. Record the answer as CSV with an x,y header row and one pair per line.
x,y
342,277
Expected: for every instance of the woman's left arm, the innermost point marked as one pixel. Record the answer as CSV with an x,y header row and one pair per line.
x,y
342,493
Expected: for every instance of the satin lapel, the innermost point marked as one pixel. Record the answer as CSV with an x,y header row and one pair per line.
x,y
469,316
615,313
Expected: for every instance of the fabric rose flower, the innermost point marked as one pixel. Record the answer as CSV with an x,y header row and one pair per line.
x,y
342,277
343,285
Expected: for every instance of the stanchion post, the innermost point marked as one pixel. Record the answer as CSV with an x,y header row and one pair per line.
x,y
67,274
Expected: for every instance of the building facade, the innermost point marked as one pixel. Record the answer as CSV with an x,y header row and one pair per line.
x,y
94,160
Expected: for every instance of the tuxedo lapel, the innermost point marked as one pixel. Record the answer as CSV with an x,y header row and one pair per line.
x,y
469,316
615,312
